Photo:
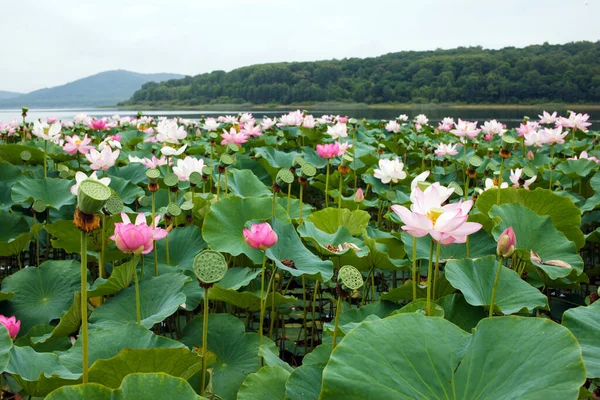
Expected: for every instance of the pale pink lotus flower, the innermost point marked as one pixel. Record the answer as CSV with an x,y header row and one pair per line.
x,y
12,325
446,149
260,236
562,122
150,131
293,118
490,184
268,123
493,127
67,124
515,178
75,144
528,127
325,119
393,126
443,191
341,119
102,160
185,167
168,131
390,170
554,136
547,118
309,122
153,162
114,142
251,130
446,224
421,119
536,138
328,150
97,124
344,146
51,120
81,176
246,118
584,156
82,119
210,125
137,238
47,132
172,152
337,131
228,119
579,121
233,136
402,118
446,124
465,129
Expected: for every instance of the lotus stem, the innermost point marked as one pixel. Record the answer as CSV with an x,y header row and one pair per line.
x,y
300,209
429,276
304,314
551,165
218,186
167,249
272,315
496,279
204,341
437,268
102,246
338,308
313,306
414,267
211,166
340,200
289,198
45,158
262,301
84,323
155,250
327,185
573,143
500,181
273,204
226,182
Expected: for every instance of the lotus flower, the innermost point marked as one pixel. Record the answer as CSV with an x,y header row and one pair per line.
x,y
579,121
528,127
75,144
233,136
535,138
515,178
492,184
268,123
491,128
47,132
251,130
507,242
547,118
137,238
554,136
446,124
359,196
11,324
185,167
466,129
422,119
102,160
337,131
153,162
97,124
309,122
393,126
80,177
328,150
293,118
402,118
210,125
169,131
344,148
170,151
260,236
390,170
584,156
446,150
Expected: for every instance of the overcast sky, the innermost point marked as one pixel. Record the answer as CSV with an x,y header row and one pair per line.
x,y
48,43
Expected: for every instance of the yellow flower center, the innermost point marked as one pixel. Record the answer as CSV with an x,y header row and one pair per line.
x,y
433,214
77,142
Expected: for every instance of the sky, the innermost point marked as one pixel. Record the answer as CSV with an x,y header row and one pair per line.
x,y
49,43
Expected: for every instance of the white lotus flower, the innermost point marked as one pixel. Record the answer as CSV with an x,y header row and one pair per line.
x,y
185,167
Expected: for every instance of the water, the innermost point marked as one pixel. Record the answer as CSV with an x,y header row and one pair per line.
x,y
511,116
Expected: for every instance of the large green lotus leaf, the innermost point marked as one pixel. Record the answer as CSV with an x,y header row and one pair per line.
x,y
461,313
246,300
275,158
184,244
134,172
323,240
41,294
12,154
576,168
15,233
181,363
305,382
9,174
138,386
327,220
437,360
290,247
160,297
294,213
481,244
39,333
592,202
270,355
583,322
537,233
351,318
405,291
475,279
68,323
38,373
119,279
125,189
268,383
565,216
236,350
244,183
66,236
224,224
6,345
107,343
55,192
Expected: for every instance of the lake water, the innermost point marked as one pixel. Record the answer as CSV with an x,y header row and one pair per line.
x,y
511,116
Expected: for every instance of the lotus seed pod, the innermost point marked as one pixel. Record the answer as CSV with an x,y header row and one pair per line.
x,y
195,178
475,162
308,170
457,188
153,174
298,161
232,148
171,180
284,177
144,201
39,206
347,160
213,135
114,205
508,142
210,266
226,159
173,210
92,196
350,277
25,155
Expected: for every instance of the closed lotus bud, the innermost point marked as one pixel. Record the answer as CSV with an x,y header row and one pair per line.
x,y
530,155
506,243
359,196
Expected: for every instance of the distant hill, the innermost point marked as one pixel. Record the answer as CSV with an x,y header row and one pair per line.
x,y
105,88
4,94
540,73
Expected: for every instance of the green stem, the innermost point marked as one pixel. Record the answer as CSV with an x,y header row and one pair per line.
x,y
414,267
45,157
262,298
429,276
354,159
204,342
167,249
84,322
300,210
138,313
573,143
551,165
327,185
496,279
218,186
273,204
338,311
272,314
155,251
289,198
313,311
102,245
437,268
500,181
340,200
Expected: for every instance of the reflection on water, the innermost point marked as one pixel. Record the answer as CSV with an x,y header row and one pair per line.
x,y
511,116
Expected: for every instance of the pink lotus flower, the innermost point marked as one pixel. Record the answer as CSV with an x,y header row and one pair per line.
x,y
51,120
11,324
547,118
268,123
446,150
251,130
555,135
153,162
293,118
328,150
493,127
515,178
97,124
584,156
535,138
344,148
466,129
233,136
102,160
446,124
446,224
309,122
528,127
579,121
393,126
342,120
507,242
137,238
210,125
260,236
74,144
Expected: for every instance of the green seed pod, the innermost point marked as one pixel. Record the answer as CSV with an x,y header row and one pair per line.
x,y
475,162
92,196
153,174
144,201
206,170
308,170
25,155
187,207
298,161
210,266
508,142
232,148
528,173
213,135
171,180
173,210
226,159
284,177
347,160
457,188
195,178
39,206
114,205
350,277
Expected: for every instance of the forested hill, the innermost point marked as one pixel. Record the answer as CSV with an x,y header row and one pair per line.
x,y
539,73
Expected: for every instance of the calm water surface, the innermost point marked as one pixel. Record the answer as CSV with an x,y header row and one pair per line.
x,y
509,116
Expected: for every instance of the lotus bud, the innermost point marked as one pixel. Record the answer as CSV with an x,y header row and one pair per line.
x,y
359,197
506,243
530,155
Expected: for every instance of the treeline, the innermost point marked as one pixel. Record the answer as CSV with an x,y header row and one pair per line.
x,y
541,73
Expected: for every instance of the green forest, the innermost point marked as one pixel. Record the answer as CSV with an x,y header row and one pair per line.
x,y
567,73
